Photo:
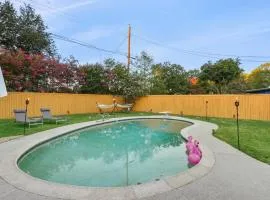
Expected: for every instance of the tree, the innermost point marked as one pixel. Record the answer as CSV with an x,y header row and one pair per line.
x,y
95,79
260,77
239,85
169,78
220,73
8,25
38,73
195,85
158,85
24,31
176,79
193,73
142,67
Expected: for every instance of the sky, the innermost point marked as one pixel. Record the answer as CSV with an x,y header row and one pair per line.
x,y
188,33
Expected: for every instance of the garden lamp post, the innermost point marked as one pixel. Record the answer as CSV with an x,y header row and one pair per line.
x,y
237,103
206,110
27,101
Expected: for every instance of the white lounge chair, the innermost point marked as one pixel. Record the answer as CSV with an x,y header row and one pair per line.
x,y
21,117
105,107
124,106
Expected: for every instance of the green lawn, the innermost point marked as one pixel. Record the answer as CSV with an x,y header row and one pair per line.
x,y
254,135
9,128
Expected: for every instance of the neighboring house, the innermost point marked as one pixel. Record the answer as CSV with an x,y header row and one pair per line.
x,y
259,91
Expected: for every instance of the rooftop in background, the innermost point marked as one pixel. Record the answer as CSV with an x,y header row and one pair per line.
x,y
259,91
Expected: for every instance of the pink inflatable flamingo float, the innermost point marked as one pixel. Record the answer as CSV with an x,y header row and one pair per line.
x,y
197,149
195,153
189,144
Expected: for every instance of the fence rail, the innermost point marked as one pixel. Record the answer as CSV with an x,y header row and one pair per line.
x,y
59,103
251,106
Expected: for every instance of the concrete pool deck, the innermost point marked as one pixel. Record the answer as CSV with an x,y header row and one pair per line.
x,y
223,173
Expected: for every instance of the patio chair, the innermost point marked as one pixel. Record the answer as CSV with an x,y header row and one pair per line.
x,y
21,117
103,107
128,107
104,110
46,115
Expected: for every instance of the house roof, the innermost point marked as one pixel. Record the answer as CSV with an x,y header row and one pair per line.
x,y
258,90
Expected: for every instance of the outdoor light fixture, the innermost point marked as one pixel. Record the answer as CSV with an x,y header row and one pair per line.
x,y
27,101
237,103
206,110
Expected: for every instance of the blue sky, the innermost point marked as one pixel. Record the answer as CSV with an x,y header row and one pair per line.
x,y
234,27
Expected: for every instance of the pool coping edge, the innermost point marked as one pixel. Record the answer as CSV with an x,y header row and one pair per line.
x,y
11,173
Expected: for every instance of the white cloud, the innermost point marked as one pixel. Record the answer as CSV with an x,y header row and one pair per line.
x,y
58,14
65,8
52,8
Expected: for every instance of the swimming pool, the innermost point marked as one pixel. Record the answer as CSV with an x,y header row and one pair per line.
x,y
110,155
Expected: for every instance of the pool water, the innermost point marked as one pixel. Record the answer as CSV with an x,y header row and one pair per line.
x,y
116,154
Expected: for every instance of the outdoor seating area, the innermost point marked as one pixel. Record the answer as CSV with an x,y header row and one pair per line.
x,y
114,107
46,115
21,117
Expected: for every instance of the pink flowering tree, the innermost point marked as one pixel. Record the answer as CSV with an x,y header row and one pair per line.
x,y
37,73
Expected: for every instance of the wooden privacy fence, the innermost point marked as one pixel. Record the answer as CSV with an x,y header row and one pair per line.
x,y
58,103
251,106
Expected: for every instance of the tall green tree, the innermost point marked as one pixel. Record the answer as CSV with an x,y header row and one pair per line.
x,y
142,67
219,74
32,32
158,82
8,25
176,79
169,78
25,30
95,79
260,77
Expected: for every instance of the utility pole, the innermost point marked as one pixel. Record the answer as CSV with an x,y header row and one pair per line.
x,y
129,40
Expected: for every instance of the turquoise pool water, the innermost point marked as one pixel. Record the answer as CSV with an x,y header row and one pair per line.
x,y
116,154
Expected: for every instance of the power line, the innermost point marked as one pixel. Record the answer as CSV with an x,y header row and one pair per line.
x,y
198,53
87,45
121,44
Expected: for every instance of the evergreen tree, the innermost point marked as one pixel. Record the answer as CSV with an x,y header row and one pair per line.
x,y
25,31
8,25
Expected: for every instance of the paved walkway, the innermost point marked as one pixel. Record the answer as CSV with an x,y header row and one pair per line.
x,y
234,176
6,139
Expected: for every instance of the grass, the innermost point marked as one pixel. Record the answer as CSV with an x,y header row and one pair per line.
x,y
9,128
254,135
